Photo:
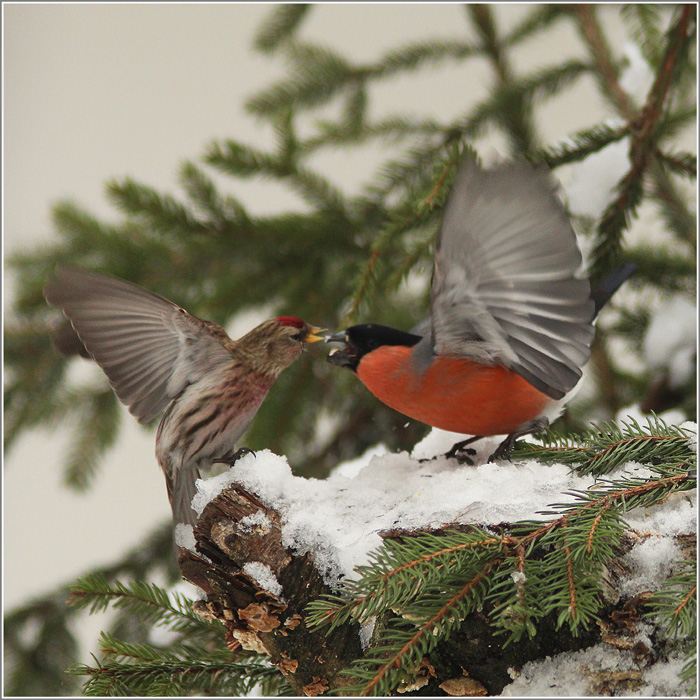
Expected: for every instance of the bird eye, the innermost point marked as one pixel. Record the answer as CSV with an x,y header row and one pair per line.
x,y
296,336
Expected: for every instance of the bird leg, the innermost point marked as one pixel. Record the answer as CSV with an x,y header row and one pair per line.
x,y
231,459
462,455
504,449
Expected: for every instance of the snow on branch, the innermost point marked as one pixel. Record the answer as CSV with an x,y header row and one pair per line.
x,y
398,555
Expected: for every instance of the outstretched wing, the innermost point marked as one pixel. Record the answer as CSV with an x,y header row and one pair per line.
x,y
503,286
144,343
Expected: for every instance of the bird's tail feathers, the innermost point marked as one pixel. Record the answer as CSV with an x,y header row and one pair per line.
x,y
602,292
181,491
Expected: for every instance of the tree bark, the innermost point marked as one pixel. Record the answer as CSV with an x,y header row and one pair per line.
x,y
257,619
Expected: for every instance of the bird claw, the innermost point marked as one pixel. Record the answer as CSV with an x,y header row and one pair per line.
x,y
463,456
241,452
504,449
232,459
461,452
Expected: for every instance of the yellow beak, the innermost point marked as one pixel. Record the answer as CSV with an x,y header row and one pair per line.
x,y
313,336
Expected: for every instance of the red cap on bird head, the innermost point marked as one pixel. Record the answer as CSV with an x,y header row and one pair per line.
x,y
290,321
311,332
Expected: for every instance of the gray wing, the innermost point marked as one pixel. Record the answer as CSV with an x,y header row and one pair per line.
x,y
144,343
503,286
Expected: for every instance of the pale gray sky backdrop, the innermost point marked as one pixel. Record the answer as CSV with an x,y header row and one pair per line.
x,y
93,92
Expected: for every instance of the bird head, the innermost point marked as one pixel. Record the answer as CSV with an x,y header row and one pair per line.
x,y
362,340
273,345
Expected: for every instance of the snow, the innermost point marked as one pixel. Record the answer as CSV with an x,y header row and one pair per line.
x,y
637,77
692,428
677,516
651,561
592,182
264,576
339,520
184,536
366,632
254,520
670,342
580,673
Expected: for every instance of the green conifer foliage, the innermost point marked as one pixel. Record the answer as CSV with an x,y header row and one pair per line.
x,y
341,258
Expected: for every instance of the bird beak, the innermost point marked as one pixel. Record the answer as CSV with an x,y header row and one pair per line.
x,y
338,337
313,336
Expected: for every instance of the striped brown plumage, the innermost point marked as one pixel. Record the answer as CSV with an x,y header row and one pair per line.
x,y
158,357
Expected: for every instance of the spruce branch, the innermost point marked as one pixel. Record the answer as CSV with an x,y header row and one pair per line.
x,y
222,213
538,569
685,164
147,601
663,267
607,446
617,216
279,26
517,114
96,430
317,75
540,18
644,21
535,88
161,212
607,71
414,56
172,677
438,614
399,570
676,601
580,145
235,158
674,210
389,130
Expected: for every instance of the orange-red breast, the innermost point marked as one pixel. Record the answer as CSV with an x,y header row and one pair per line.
x,y
158,358
510,326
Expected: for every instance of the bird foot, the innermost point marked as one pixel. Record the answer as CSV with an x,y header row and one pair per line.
x,y
503,450
461,452
232,459
506,447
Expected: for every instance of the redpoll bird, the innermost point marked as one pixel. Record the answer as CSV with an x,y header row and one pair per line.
x,y
159,357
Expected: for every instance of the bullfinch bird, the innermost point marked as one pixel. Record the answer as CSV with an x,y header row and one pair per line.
x,y
158,357
510,326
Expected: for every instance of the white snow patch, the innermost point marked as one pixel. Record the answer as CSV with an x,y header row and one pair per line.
x,y
184,536
592,183
254,520
338,520
691,427
353,467
676,516
637,77
572,674
264,576
651,561
670,342
366,632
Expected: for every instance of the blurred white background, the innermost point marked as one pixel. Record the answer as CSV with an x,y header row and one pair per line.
x,y
94,92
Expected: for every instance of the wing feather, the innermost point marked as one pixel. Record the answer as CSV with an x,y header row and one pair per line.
x,y
504,285
144,343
